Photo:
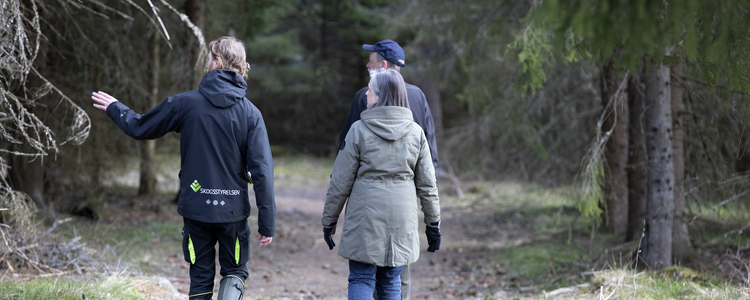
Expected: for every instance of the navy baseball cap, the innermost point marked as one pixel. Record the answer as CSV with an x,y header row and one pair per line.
x,y
390,50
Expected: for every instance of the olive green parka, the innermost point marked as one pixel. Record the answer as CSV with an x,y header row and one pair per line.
x,y
385,171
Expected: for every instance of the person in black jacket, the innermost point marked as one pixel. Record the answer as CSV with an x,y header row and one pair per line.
x,y
387,54
223,147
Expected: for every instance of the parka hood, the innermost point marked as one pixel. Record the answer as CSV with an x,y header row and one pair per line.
x,y
223,88
388,122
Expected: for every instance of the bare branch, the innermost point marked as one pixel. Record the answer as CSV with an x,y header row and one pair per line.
x,y
196,31
81,124
102,5
593,160
86,8
156,13
150,20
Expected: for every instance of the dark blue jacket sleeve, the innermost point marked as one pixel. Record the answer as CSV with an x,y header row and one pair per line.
x,y
429,132
359,104
260,165
156,123
423,116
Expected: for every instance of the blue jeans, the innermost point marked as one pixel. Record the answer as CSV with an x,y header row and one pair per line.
x,y
365,278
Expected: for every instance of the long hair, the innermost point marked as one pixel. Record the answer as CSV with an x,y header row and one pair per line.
x,y
230,53
390,88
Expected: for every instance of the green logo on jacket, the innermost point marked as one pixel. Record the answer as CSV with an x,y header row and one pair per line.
x,y
195,186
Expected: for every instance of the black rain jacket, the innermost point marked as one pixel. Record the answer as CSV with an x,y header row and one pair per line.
x,y
223,139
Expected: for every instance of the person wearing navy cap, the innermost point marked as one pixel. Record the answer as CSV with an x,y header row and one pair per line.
x,y
387,54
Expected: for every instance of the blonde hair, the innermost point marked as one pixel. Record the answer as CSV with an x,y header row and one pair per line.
x,y
229,52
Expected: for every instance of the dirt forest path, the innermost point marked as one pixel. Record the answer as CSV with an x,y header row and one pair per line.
x,y
299,265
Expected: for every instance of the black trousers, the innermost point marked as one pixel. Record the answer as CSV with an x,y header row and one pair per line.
x,y
198,244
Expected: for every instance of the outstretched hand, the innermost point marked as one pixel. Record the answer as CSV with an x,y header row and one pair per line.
x,y
264,240
102,99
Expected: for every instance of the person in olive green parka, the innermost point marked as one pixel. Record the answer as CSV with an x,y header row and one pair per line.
x,y
385,171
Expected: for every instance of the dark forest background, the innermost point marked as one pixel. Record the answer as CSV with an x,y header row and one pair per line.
x,y
547,93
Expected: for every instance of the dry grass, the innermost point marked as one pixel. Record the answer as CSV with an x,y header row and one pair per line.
x,y
671,283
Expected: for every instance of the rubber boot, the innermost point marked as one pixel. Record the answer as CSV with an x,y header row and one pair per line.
x,y
231,288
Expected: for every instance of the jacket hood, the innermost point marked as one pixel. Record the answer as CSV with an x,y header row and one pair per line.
x,y
388,122
223,88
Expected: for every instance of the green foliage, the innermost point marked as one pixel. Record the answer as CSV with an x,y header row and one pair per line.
x,y
243,18
532,51
538,261
536,223
708,32
712,35
679,272
462,46
536,55
307,62
723,226
49,288
592,201
470,50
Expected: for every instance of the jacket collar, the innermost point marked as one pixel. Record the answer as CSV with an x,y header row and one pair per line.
x,y
388,122
223,88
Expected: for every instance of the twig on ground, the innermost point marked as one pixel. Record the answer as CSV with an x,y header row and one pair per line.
x,y
54,225
637,255
601,295
566,290
61,273
10,267
452,176
30,261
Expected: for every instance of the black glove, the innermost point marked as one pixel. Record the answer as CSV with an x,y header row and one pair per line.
x,y
433,237
328,231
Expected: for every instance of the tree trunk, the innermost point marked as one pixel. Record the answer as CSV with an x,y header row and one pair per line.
x,y
430,88
27,175
148,147
615,154
194,10
660,213
637,160
682,249
432,93
96,146
323,31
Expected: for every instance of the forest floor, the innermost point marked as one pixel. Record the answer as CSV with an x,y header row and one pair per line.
x,y
504,240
